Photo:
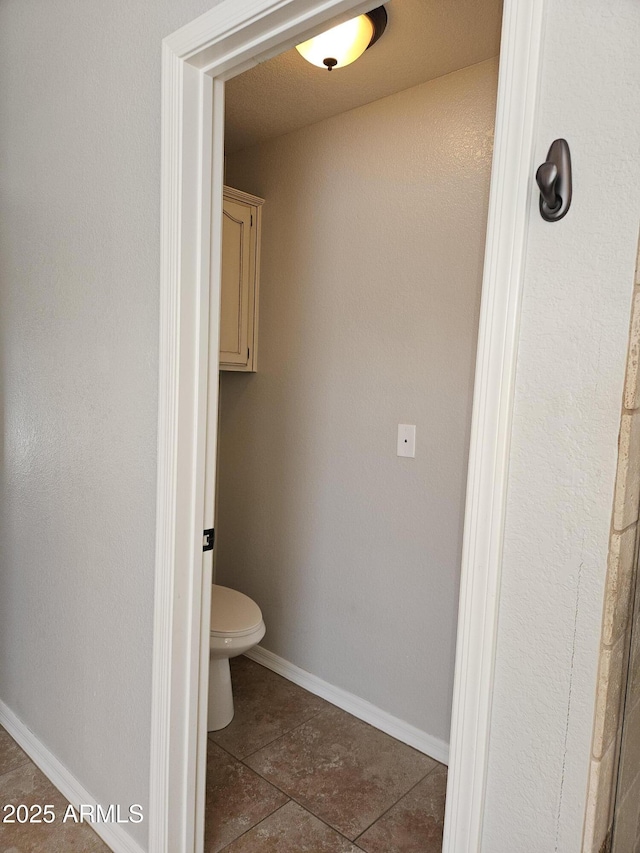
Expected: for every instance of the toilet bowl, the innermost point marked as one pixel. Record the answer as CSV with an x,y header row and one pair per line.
x,y
236,626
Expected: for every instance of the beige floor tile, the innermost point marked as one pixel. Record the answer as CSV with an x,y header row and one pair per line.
x,y
342,770
618,599
632,382
599,805
292,830
611,677
627,491
415,823
236,799
27,785
267,706
11,756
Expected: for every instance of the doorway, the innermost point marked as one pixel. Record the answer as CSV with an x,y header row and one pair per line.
x,y
368,315
197,60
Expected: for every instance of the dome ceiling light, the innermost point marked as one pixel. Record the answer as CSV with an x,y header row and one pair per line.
x,y
343,44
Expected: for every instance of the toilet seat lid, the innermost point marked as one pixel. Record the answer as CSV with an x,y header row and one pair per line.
x,y
233,612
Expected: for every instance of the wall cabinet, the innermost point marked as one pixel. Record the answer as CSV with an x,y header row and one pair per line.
x,y
241,223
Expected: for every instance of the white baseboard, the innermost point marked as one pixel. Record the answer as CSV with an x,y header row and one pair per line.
x,y
360,708
113,834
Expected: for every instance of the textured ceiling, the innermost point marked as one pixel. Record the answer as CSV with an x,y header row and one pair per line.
x,y
424,39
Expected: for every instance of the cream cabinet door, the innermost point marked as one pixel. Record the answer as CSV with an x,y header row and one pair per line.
x,y
239,297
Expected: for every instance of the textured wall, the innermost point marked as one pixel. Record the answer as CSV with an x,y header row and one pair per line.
x,y
372,253
79,262
570,375
79,179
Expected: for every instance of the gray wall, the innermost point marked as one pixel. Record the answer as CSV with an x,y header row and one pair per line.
x,y
79,262
564,444
79,224
372,252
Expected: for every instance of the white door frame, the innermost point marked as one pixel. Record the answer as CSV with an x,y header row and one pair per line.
x,y
196,60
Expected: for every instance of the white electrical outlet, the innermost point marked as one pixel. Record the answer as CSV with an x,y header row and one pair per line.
x,y
407,440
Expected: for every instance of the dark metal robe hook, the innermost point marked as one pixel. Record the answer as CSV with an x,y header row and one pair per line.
x,y
554,180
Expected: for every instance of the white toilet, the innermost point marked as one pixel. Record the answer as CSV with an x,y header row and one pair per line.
x,y
236,626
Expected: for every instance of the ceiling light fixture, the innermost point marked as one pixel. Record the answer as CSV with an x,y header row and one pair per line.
x,y
343,44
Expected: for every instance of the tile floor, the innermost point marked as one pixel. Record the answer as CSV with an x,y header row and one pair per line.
x,y
293,773
22,782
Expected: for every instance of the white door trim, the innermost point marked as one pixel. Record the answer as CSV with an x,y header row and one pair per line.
x,y
195,61
511,203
